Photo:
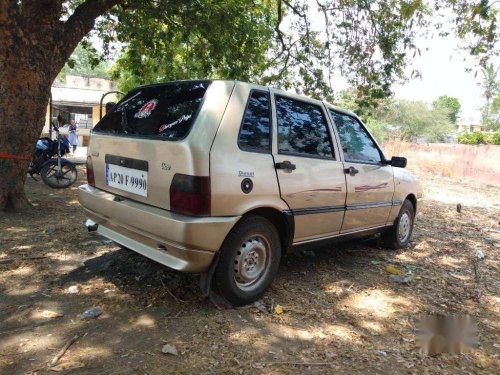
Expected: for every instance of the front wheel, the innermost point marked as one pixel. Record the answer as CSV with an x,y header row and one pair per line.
x,y
59,178
399,236
249,260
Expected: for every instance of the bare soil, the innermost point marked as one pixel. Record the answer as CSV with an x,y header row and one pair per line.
x,y
342,311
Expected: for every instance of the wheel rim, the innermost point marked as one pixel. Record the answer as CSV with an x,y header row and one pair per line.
x,y
404,227
251,262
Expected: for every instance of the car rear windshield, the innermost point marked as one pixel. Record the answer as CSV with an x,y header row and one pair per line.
x,y
165,111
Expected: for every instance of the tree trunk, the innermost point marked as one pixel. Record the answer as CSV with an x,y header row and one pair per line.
x,y
23,99
25,80
34,46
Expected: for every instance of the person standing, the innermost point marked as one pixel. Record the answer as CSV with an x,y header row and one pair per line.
x,y
73,138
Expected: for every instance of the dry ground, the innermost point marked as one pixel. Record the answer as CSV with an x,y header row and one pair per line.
x,y
342,312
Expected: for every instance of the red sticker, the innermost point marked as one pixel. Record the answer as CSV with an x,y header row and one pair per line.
x,y
146,109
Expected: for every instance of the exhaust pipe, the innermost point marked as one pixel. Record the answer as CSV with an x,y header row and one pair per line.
x,y
91,226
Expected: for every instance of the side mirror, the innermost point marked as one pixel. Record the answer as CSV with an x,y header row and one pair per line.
x,y
398,161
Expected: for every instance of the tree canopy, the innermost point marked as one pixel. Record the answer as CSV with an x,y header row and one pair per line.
x,y
84,61
226,39
490,86
450,105
294,44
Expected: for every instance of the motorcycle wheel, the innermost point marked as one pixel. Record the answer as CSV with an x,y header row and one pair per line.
x,y
59,179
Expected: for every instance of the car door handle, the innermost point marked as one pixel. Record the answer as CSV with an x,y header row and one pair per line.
x,y
351,170
286,165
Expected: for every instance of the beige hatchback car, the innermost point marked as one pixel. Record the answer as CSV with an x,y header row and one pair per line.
x,y
223,178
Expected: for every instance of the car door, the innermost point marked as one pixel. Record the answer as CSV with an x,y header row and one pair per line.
x,y
309,171
370,181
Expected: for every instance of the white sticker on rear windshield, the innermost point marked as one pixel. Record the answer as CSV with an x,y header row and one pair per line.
x,y
147,109
183,118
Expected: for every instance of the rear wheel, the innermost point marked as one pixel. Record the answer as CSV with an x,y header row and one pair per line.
x,y
59,178
399,236
249,260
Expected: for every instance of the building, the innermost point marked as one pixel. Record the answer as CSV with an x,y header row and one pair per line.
x,y
468,128
78,98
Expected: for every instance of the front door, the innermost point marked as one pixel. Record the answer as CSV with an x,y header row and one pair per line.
x,y
370,183
310,174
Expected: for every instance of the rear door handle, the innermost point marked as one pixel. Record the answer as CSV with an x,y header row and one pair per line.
x,y
351,170
286,165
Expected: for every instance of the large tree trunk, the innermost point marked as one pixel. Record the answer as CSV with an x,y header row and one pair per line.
x,y
23,98
34,46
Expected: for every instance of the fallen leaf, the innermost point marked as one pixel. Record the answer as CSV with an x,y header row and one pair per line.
x,y
392,270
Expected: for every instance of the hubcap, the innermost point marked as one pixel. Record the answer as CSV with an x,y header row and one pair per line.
x,y
404,227
251,262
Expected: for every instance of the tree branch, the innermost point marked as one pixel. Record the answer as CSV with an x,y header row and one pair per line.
x,y
302,15
81,22
277,27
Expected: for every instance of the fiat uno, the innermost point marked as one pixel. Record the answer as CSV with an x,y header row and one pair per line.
x,y
223,178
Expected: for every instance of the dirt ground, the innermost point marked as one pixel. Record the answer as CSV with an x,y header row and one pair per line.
x,y
342,311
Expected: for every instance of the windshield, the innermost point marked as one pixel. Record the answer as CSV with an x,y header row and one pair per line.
x,y
165,111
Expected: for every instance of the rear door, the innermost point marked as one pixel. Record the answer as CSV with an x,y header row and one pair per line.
x,y
310,174
370,182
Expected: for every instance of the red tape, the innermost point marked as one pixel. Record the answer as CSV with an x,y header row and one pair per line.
x,y
15,157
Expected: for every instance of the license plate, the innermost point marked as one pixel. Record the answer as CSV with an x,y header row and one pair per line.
x,y
127,179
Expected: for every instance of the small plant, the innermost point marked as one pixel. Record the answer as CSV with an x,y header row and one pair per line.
x,y
480,138
495,138
476,138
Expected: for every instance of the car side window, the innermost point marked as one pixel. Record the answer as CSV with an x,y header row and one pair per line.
x,y
302,129
255,131
357,144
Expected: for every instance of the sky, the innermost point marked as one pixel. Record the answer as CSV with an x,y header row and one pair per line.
x,y
443,67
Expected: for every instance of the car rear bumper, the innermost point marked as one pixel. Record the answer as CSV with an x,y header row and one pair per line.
x,y
184,243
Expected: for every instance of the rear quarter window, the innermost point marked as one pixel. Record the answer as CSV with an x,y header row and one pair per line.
x,y
255,131
165,111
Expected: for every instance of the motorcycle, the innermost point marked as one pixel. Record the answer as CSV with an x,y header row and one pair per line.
x,y
48,162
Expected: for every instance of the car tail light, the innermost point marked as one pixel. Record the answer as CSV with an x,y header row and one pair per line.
x,y
190,195
90,172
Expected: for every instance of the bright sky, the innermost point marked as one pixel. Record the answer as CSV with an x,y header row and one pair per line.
x,y
443,67
443,73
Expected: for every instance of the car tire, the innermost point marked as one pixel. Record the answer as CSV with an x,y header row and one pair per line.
x,y
399,236
248,261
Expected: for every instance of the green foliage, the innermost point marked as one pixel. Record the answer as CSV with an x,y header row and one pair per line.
x,y
476,25
412,119
369,42
401,119
495,138
449,104
178,40
85,60
493,122
491,87
476,138
378,128
479,138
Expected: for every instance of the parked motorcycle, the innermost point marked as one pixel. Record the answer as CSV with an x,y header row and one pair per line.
x,y
48,162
